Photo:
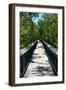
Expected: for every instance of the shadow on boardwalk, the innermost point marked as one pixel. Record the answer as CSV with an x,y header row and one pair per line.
x,y
39,65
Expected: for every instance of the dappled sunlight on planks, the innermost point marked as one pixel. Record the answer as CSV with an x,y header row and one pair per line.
x,y
39,65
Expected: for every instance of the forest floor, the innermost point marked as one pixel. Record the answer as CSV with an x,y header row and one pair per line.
x,y
39,65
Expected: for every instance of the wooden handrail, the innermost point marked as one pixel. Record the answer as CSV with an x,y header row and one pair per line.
x,y
25,57
52,54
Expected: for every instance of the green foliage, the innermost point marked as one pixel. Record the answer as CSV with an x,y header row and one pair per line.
x,y
28,29
46,28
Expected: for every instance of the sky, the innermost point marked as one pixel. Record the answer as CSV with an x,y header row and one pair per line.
x,y
35,19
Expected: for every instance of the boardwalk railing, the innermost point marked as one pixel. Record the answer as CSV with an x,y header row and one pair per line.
x,y
52,55
25,57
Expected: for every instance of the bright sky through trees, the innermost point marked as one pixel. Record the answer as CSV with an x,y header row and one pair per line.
x,y
35,19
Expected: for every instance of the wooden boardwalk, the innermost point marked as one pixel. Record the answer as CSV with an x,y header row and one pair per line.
x,y
39,65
